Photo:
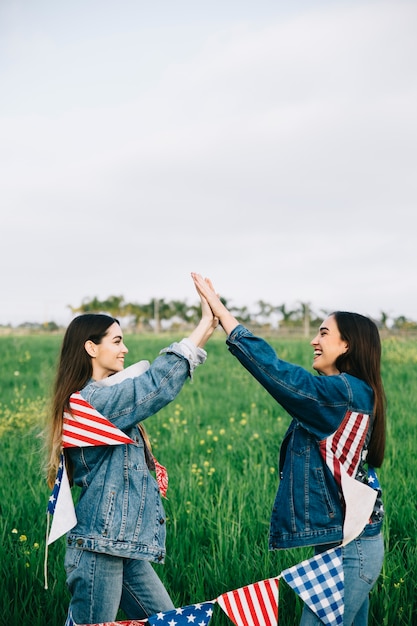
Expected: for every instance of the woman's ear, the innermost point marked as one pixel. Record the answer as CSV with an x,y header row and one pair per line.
x,y
90,348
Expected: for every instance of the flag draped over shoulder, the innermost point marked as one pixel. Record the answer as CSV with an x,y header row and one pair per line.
x,y
84,427
319,581
341,452
253,605
198,614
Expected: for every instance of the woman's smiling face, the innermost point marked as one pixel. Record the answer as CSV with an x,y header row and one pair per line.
x,y
328,345
107,357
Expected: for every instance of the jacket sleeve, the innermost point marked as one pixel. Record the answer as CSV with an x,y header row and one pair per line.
x,y
134,399
317,402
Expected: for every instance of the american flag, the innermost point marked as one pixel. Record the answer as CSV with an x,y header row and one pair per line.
x,y
319,581
85,426
60,505
342,454
197,614
345,445
253,605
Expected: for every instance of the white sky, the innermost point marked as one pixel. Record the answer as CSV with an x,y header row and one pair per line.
x,y
270,145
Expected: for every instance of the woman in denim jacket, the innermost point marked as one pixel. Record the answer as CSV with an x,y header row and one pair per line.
x,y
120,527
326,496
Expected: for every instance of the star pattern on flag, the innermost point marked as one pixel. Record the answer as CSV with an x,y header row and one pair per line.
x,y
319,581
197,614
373,478
60,505
55,490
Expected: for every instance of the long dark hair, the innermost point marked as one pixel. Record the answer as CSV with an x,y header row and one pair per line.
x,y
363,360
74,370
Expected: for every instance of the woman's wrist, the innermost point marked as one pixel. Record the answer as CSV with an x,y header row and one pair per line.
x,y
202,332
228,321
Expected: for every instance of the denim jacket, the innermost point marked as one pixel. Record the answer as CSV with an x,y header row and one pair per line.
x,y
308,508
120,511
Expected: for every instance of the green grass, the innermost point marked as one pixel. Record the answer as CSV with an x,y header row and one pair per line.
x,y
219,440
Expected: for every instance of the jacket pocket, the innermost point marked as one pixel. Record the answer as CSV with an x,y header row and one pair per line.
x,y
323,497
72,559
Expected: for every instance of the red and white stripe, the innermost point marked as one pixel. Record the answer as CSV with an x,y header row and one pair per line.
x,y
344,447
85,426
161,477
254,605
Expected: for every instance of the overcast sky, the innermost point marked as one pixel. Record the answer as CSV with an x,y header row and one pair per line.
x,y
270,145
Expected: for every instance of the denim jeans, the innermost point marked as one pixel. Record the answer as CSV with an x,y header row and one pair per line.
x,y
362,564
101,583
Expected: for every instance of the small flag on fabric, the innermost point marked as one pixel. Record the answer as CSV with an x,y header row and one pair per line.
x,y
197,614
341,452
253,605
61,505
161,477
319,581
85,426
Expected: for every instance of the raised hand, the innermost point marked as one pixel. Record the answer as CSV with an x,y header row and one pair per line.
x,y
206,290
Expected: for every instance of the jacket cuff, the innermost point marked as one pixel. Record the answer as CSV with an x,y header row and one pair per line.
x,y
187,349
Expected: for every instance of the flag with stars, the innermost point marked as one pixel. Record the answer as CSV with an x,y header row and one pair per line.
x,y
61,505
319,581
83,427
341,452
373,478
253,605
196,614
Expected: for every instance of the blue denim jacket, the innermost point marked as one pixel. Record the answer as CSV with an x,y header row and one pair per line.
x,y
307,509
120,511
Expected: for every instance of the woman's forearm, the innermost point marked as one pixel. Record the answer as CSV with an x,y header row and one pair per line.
x,y
202,332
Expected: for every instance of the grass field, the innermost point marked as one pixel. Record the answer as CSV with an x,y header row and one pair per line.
x,y
219,441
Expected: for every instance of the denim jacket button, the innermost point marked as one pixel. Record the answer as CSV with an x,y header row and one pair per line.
x,y
79,542
161,520
160,557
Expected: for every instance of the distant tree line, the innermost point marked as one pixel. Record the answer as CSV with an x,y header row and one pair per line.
x,y
159,314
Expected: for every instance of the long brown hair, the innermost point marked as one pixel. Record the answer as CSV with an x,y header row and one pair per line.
x,y
363,360
73,372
